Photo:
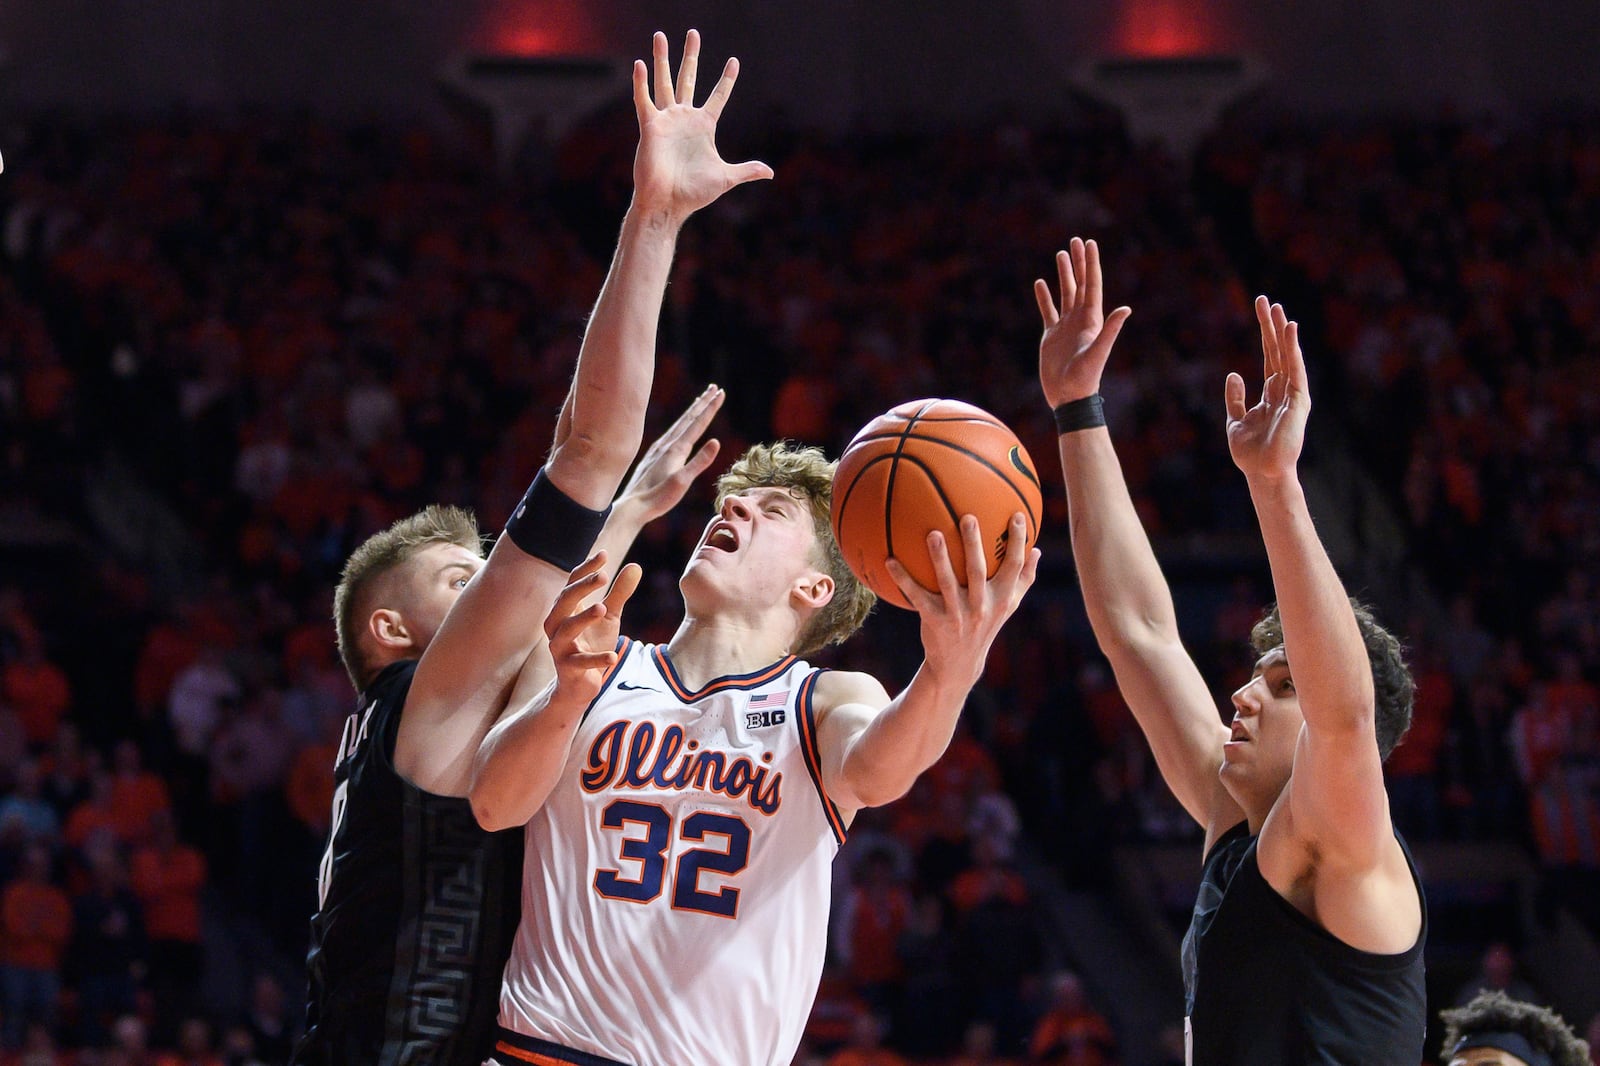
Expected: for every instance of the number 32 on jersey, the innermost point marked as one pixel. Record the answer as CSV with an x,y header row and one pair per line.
x,y
645,833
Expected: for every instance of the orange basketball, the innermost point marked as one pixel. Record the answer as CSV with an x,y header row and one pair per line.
x,y
918,468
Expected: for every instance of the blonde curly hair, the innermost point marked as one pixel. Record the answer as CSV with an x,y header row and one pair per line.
x,y
807,472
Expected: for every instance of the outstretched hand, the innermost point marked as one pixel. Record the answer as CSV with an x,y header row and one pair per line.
x,y
1265,440
583,640
677,169
959,624
667,469
1077,334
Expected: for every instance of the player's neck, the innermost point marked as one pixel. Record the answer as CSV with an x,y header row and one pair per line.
x,y
1256,807
706,648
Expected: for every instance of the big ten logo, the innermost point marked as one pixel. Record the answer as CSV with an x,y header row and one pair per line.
x,y
764,719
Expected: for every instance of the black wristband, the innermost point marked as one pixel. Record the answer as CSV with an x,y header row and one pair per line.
x,y
550,525
1086,413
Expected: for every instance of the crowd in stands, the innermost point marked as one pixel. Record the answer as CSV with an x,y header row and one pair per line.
x,y
230,348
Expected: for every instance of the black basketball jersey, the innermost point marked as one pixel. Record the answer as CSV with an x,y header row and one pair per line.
x,y
1266,985
418,908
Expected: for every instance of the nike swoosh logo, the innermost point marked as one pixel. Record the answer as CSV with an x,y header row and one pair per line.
x,y
637,688
1015,455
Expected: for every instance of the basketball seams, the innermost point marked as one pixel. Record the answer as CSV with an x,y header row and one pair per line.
x,y
975,448
999,471
894,470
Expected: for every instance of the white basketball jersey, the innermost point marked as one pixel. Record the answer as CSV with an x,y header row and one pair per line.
x,y
675,895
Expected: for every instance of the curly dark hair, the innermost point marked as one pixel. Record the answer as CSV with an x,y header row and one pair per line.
x,y
1391,678
1498,1012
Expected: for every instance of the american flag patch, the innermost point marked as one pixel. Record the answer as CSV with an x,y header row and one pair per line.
x,y
768,699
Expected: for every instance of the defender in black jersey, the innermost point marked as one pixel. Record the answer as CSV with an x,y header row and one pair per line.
x,y
1307,937
416,902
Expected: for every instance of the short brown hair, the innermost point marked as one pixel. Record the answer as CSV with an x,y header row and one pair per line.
x,y
380,554
807,471
1391,678
1496,1012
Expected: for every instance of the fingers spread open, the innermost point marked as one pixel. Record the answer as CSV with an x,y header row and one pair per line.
x,y
663,68
567,604
977,560
1047,306
691,63
723,89
621,589
944,571
1233,397
1269,336
702,459
641,91
1092,289
1080,272
919,598
1064,278
1016,537
1295,360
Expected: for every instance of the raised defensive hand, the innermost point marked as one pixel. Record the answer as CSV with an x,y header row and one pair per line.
x,y
1265,440
1077,335
667,468
677,169
959,624
583,640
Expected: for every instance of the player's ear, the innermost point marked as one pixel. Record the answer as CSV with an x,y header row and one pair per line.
x,y
814,590
389,629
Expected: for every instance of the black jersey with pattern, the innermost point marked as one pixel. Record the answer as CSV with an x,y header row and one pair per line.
x,y
1267,986
417,910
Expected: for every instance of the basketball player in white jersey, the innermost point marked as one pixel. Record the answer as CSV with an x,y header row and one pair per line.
x,y
410,938
684,802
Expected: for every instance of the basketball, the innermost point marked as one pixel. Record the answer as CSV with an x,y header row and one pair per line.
x,y
920,467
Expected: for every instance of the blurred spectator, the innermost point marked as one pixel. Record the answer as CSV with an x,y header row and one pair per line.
x,y
269,1022
38,1049
107,956
194,1046
1071,1032
24,813
167,876
998,943
35,926
97,814
139,794
866,1046
39,691
1497,972
875,913
65,766
978,1048
929,1020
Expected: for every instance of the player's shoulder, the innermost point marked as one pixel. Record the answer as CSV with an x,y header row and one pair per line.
x,y
835,688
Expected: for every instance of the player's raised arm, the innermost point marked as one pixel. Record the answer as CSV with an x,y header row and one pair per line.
x,y
1124,591
521,758
873,748
657,485
466,674
1336,797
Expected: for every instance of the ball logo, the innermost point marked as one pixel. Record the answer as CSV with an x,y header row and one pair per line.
x,y
1015,455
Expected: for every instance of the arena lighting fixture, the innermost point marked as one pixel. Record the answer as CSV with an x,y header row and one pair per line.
x,y
522,93
1175,100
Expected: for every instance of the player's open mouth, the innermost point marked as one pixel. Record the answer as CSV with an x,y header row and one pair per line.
x,y
723,538
1237,733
